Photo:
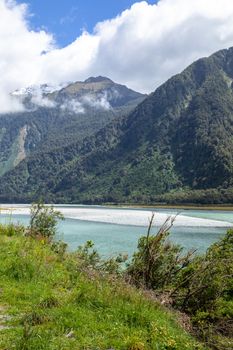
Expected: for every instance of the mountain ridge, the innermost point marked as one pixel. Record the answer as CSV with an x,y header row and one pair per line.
x,y
179,138
77,114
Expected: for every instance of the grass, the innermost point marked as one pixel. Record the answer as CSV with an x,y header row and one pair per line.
x,y
48,302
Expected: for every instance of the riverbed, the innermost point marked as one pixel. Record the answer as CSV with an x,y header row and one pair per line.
x,y
116,230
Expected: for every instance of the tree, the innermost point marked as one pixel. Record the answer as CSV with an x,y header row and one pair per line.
x,y
44,220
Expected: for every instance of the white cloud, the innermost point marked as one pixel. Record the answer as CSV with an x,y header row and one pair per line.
x,y
73,106
20,52
41,101
82,103
142,47
99,102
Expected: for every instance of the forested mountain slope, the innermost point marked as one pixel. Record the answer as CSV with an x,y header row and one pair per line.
x,y
53,119
180,137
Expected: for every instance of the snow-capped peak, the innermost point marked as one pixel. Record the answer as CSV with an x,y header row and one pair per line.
x,y
39,89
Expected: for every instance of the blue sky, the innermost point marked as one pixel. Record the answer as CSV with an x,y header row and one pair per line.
x,y
143,48
66,18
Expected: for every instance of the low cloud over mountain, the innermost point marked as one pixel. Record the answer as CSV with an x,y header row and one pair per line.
x,y
142,47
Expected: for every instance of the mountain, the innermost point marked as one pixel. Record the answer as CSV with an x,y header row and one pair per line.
x,y
56,116
179,140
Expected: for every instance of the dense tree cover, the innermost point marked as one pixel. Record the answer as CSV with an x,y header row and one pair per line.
x,y
187,196
176,144
50,128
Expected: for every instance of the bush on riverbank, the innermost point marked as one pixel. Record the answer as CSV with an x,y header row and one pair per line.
x,y
200,286
44,220
204,290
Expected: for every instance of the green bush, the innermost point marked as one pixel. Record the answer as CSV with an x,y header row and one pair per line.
x,y
44,220
205,288
201,286
88,257
157,261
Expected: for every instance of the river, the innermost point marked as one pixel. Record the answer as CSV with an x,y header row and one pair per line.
x,y
116,230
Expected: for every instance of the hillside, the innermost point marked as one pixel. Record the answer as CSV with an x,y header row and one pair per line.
x,y
51,300
178,139
54,118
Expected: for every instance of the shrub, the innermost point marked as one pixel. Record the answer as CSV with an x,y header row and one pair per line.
x,y
201,286
205,288
157,261
43,222
59,247
11,229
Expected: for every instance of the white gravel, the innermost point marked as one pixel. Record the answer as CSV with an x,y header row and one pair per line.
x,y
121,216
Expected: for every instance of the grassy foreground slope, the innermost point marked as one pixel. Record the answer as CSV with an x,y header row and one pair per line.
x,y
49,301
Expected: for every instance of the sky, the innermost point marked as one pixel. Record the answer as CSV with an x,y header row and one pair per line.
x,y
140,44
67,19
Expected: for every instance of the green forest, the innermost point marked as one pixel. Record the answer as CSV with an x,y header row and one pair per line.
x,y
176,145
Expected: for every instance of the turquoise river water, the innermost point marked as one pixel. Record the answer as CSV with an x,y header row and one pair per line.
x,y
111,239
